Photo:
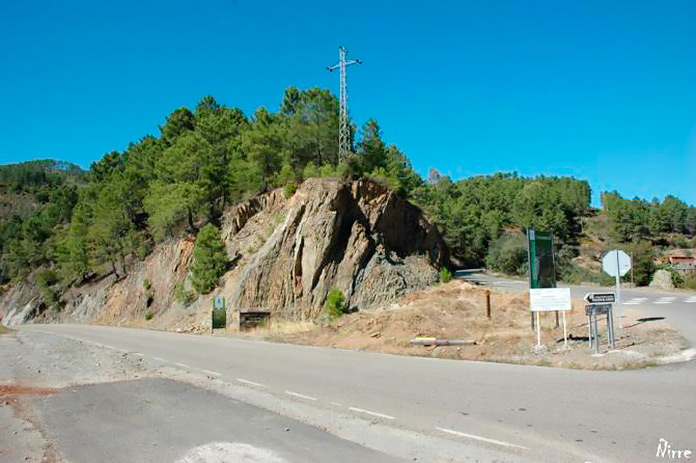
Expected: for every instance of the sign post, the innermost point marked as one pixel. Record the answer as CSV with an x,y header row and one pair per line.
x,y
617,263
550,300
598,304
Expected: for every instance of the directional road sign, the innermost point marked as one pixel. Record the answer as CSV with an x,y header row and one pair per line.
x,y
595,298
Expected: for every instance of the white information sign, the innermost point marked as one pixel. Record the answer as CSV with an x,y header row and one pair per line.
x,y
550,299
219,302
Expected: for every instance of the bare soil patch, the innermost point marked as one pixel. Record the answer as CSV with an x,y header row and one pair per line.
x,y
457,310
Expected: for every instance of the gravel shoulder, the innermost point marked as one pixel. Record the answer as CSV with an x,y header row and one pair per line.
x,y
36,365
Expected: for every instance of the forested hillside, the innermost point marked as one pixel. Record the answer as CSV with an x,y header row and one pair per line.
x,y
78,225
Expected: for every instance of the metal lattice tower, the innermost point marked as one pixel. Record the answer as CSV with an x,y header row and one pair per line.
x,y
344,143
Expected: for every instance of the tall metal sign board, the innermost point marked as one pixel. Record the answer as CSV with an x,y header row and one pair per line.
x,y
542,268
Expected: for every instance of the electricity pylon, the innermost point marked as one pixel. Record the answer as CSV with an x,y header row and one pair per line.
x,y
344,147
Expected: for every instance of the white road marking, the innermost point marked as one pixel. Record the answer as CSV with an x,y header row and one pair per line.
x,y
160,359
110,347
665,300
214,373
691,300
336,404
138,354
636,301
251,383
379,415
481,438
183,365
301,396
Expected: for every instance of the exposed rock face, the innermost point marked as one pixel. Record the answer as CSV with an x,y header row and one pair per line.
x,y
20,304
359,237
285,256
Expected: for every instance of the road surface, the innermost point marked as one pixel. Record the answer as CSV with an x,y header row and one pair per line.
x,y
528,413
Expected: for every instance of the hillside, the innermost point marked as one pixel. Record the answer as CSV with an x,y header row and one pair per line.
x,y
26,186
285,254
63,231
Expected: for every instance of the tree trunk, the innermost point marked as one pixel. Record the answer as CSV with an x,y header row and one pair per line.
x,y
190,219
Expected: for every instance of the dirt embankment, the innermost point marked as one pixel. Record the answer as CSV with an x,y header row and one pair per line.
x,y
457,310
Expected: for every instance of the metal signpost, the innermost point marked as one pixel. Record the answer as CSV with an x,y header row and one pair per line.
x,y
542,268
617,263
600,304
550,300
219,317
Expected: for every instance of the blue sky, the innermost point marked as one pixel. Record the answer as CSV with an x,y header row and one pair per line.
x,y
603,91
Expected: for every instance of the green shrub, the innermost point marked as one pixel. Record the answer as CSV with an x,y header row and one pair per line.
x,y
689,281
445,275
183,296
285,176
147,284
335,304
44,279
508,254
209,259
310,171
576,275
149,314
289,189
643,263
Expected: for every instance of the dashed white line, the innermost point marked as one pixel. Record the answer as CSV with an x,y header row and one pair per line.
x,y
336,404
691,300
368,412
138,354
214,373
301,396
251,383
160,359
665,300
480,438
183,365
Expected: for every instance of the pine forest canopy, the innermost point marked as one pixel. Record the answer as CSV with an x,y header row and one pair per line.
x,y
205,160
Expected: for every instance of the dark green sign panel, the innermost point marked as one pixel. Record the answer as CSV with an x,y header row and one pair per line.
x,y
219,313
542,269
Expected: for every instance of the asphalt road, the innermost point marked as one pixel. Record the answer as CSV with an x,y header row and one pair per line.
x,y
533,413
156,420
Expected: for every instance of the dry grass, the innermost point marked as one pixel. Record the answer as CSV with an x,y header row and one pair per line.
x,y
276,329
5,330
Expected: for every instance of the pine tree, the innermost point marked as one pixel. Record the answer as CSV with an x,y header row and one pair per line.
x,y
209,259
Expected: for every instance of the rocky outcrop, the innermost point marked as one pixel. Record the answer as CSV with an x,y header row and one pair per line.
x,y
285,256
357,236
662,279
20,304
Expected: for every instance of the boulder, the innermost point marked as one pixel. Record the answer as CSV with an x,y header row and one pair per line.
x,y
662,279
